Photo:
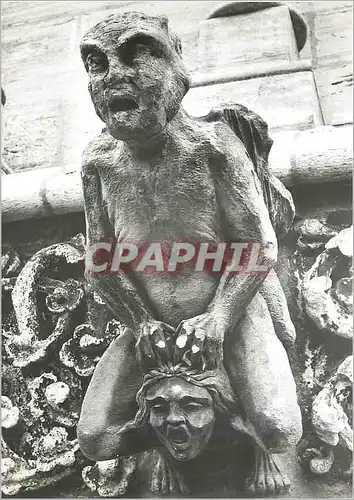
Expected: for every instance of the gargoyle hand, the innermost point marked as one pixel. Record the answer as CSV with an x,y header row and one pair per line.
x,y
153,342
202,335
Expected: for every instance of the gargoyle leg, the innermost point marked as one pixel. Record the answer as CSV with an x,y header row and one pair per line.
x,y
261,376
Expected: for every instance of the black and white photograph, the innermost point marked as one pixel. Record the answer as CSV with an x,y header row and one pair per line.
x,y
177,249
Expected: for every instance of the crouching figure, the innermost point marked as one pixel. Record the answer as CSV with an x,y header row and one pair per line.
x,y
201,372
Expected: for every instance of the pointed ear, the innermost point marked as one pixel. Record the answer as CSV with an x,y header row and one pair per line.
x,y
164,22
177,43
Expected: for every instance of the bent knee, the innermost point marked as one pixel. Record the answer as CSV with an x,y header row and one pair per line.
x,y
88,442
279,433
94,444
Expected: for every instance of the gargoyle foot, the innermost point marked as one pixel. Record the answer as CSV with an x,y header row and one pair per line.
x,y
266,479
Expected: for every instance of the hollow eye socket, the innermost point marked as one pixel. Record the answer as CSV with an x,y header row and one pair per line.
x,y
193,405
139,46
96,61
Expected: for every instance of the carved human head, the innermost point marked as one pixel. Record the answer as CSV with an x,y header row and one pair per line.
x,y
182,415
183,405
184,396
137,79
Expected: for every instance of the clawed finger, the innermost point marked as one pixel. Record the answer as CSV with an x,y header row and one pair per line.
x,y
157,337
183,340
146,341
163,343
143,347
260,483
198,341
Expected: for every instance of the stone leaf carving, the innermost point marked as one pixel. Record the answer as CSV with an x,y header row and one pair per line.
x,y
66,297
326,288
31,342
83,350
331,408
110,478
53,397
320,461
18,474
9,413
55,450
40,412
10,262
313,234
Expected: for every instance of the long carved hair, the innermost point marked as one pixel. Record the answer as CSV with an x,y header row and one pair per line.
x,y
190,367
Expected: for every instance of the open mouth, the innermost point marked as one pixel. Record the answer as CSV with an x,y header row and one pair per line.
x,y
122,104
179,438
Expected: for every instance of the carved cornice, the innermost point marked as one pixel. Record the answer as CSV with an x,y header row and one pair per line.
x,y
318,155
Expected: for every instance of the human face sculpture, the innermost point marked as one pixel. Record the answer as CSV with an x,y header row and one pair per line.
x,y
182,415
136,76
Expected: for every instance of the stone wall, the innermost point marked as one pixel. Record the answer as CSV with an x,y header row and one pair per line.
x,y
49,115
47,364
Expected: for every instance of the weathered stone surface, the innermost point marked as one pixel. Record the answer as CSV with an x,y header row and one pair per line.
x,y
66,297
55,450
10,262
326,404
334,75
83,351
232,42
110,478
48,396
327,296
9,413
40,412
332,410
313,234
19,475
286,102
320,462
23,469
30,343
344,242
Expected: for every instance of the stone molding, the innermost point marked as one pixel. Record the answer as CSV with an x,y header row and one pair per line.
x,y
318,155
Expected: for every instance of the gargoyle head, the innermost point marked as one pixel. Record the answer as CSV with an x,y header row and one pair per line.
x,y
137,79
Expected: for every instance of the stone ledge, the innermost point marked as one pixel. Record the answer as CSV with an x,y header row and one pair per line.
x,y
286,101
322,154
256,71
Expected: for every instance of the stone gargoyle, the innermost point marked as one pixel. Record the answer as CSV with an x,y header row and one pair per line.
x,y
200,373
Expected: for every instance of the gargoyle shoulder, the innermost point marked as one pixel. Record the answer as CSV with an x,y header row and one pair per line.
x,y
98,151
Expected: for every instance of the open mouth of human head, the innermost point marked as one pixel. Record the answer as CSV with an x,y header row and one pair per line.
x,y
178,436
122,103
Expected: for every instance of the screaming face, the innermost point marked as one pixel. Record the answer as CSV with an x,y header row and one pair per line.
x,y
182,415
136,77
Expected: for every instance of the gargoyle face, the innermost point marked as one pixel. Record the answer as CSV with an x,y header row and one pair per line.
x,y
136,77
182,415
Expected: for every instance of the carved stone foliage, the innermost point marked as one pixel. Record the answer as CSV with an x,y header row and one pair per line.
x,y
50,350
327,287
324,263
55,329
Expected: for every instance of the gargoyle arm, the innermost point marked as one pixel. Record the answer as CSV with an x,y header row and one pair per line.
x,y
117,290
252,130
242,206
